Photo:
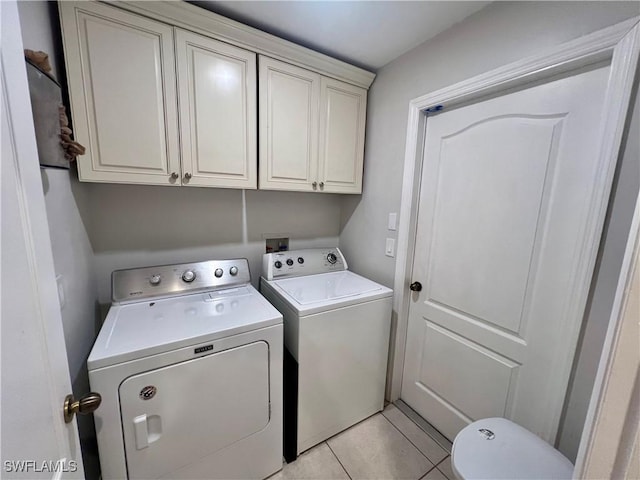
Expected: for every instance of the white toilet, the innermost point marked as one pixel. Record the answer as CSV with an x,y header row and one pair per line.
x,y
497,448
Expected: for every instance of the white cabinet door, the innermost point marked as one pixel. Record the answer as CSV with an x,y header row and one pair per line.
x,y
121,75
343,109
289,98
217,93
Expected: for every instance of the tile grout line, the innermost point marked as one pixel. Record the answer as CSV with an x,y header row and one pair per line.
x,y
441,462
435,435
409,440
338,459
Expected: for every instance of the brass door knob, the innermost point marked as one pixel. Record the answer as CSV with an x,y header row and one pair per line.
x,y
87,404
314,185
187,176
415,287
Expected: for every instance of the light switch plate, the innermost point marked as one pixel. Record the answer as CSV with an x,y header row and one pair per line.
x,y
390,247
393,219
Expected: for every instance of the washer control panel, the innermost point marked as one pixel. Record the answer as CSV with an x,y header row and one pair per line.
x,y
137,284
302,262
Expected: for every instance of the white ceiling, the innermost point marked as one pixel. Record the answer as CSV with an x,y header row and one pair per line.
x,y
368,34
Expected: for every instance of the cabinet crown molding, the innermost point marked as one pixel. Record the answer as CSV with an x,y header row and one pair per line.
x,y
197,19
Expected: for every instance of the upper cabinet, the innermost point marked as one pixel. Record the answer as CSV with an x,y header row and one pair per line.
x,y
311,130
217,97
289,117
343,109
122,87
166,93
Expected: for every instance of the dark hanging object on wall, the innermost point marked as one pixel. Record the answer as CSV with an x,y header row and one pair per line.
x,y
46,98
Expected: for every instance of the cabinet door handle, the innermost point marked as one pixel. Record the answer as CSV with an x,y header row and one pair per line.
x,y
314,185
187,176
174,175
321,184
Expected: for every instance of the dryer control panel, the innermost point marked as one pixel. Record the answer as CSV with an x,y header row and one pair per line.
x,y
137,284
296,263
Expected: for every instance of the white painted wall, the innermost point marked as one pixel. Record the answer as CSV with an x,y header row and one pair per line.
x,y
72,252
500,33
134,225
39,30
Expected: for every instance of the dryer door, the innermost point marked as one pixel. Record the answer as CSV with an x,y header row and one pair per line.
x,y
182,414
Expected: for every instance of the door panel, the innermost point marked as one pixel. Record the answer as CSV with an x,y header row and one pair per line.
x,y
217,89
289,99
222,398
491,175
504,204
488,379
35,370
127,116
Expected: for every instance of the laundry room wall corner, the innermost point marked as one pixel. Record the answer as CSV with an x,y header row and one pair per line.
x,y
501,33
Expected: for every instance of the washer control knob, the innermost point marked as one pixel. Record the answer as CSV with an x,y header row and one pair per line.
x,y
155,279
300,260
233,270
189,276
278,264
331,258
289,261
218,273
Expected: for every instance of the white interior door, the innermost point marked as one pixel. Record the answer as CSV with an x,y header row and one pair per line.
x,y
36,443
504,205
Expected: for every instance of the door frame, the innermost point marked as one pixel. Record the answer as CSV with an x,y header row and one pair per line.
x,y
610,440
618,44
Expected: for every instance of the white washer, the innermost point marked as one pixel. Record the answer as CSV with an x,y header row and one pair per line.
x,y
336,330
189,366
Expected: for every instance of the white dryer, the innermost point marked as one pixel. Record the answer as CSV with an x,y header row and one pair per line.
x,y
189,366
336,330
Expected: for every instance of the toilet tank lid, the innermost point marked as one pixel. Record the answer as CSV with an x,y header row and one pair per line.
x,y
512,452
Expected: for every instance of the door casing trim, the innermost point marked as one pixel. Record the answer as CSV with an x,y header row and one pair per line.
x,y
618,44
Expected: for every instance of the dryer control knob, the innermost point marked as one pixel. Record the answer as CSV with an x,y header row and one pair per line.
x,y
155,279
233,271
189,276
278,264
289,262
331,258
218,273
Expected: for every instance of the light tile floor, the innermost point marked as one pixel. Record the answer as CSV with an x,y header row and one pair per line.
x,y
387,445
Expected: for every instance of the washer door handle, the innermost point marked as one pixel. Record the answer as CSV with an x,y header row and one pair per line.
x,y
141,431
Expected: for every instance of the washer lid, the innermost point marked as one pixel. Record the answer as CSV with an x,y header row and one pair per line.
x,y
137,330
512,453
313,293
